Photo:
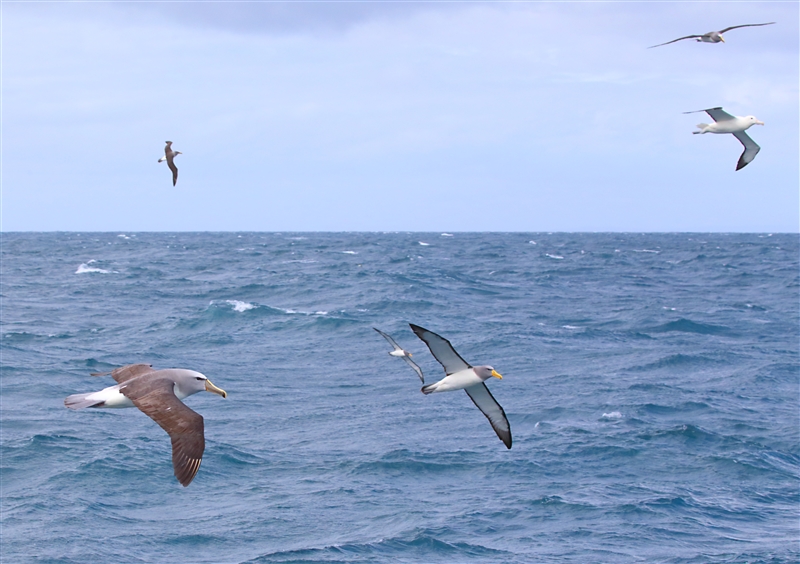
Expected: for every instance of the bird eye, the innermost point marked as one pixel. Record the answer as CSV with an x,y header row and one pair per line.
x,y
199,378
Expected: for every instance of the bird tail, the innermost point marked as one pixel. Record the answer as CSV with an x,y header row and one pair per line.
x,y
701,127
162,159
80,401
429,389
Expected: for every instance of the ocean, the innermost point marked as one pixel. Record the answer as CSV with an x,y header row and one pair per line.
x,y
651,381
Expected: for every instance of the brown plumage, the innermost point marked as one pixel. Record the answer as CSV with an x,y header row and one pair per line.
x,y
158,394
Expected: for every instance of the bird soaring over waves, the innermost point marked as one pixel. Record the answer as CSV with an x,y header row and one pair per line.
x,y
158,393
735,125
460,375
169,156
399,352
711,36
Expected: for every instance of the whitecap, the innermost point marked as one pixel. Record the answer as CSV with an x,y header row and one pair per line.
x,y
569,327
646,251
84,268
424,244
557,257
612,415
532,242
447,234
123,236
291,311
350,252
240,306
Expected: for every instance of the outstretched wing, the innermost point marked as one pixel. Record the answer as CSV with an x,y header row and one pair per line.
x,y
743,25
388,338
674,40
442,350
751,149
158,401
125,373
416,368
174,169
717,114
483,399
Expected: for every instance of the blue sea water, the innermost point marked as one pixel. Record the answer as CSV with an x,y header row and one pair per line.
x,y
651,382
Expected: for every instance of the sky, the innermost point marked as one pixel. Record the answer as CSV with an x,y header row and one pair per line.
x,y
396,116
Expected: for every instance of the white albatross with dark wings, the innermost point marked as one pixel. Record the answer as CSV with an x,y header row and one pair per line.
x,y
460,375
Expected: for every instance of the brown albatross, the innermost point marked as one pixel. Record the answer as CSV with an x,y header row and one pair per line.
x,y
169,156
158,393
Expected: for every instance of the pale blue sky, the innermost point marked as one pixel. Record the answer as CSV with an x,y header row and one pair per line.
x,y
384,116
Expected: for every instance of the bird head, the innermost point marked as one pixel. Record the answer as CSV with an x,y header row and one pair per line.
x,y
486,372
168,142
754,121
190,382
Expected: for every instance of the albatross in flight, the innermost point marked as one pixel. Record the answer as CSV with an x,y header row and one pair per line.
x,y
158,393
169,156
460,375
401,353
726,123
711,36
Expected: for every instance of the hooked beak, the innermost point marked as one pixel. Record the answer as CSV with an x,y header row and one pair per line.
x,y
722,39
759,122
497,375
214,390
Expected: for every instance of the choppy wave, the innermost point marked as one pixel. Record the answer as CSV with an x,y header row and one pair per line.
x,y
84,268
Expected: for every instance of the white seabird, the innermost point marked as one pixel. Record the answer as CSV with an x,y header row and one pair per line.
x,y
736,125
399,352
711,36
158,393
460,375
169,156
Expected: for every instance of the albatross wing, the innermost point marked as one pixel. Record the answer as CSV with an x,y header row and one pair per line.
x,y
125,373
718,114
388,338
174,169
743,25
157,399
751,149
674,40
416,368
483,399
442,350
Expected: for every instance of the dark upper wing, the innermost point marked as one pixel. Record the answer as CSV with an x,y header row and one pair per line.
x,y
751,149
388,338
127,372
156,398
743,25
674,40
717,114
174,169
482,397
416,368
442,350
